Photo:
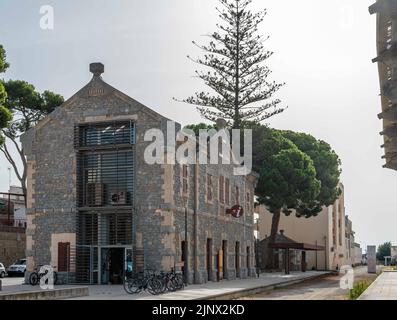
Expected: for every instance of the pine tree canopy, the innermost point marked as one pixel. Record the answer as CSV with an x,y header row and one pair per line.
x,y
235,70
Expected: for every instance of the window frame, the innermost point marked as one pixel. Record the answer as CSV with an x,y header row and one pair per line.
x,y
185,179
227,191
210,188
237,195
221,189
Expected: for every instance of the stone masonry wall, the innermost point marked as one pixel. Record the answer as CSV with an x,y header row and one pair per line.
x,y
13,245
158,211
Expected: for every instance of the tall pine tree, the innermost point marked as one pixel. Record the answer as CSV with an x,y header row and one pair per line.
x,y
239,79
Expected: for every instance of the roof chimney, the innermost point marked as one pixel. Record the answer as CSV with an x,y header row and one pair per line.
x,y
97,68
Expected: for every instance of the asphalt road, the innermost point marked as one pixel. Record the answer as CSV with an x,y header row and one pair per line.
x,y
326,288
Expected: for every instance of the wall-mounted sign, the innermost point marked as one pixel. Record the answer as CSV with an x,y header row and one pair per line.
x,y
236,211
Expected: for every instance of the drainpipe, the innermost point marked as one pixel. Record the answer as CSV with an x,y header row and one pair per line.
x,y
325,254
186,248
195,223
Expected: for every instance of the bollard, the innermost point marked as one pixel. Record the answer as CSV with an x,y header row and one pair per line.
x,y
1,284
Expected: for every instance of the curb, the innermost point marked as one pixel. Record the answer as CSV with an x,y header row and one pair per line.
x,y
260,289
361,297
55,294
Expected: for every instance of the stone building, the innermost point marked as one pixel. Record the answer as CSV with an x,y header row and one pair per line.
x,y
96,208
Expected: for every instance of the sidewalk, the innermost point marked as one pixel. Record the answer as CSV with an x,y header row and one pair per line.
x,y
211,290
383,288
14,289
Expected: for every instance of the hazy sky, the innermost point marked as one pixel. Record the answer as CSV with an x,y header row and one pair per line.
x,y
323,51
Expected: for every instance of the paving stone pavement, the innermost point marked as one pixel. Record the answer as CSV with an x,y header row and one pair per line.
x,y
383,288
202,291
324,288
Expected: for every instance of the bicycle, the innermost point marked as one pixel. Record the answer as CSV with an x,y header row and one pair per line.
x,y
147,281
36,275
172,281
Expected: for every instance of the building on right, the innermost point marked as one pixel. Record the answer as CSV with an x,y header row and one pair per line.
x,y
386,12
349,241
327,230
358,255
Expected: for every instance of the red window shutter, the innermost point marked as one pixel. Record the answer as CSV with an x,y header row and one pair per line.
x,y
184,185
63,256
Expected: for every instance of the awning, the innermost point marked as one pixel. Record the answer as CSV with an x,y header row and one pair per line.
x,y
283,242
297,246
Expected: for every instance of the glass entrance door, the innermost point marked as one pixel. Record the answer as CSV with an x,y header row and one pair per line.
x,y
105,265
128,265
112,265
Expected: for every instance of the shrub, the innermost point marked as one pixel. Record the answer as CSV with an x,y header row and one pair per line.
x,y
358,289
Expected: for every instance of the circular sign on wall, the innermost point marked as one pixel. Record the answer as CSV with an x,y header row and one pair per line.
x,y
236,211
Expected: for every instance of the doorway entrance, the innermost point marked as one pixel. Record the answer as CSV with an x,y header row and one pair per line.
x,y
209,259
112,265
237,259
225,266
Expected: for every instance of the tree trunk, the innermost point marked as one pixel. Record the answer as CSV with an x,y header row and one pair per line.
x,y
236,120
275,223
25,192
21,174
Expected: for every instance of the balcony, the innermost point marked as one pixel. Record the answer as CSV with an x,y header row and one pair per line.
x,y
386,7
390,131
390,145
388,56
389,114
390,156
390,91
391,165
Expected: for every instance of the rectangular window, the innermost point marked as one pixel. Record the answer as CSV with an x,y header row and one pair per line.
x,y
237,258
227,191
221,189
209,187
248,258
184,179
237,200
63,256
105,163
104,228
209,258
105,178
105,134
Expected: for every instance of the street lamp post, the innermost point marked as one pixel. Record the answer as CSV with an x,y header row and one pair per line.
x,y
257,247
9,179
